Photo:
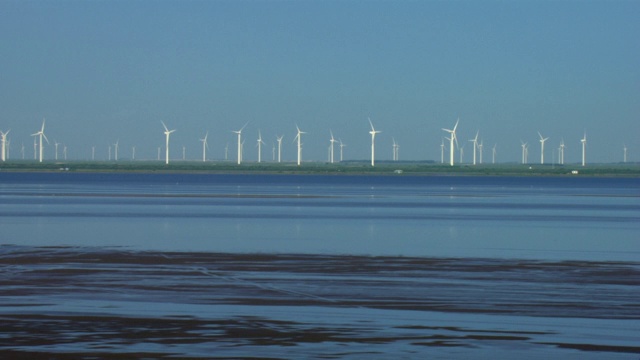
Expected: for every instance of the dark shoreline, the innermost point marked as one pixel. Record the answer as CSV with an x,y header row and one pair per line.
x,y
346,168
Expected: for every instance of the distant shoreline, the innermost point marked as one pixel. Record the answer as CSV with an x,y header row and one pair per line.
x,y
318,168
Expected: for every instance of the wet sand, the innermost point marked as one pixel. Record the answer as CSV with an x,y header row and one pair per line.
x,y
70,303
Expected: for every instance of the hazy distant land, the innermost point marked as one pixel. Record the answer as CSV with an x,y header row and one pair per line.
x,y
397,168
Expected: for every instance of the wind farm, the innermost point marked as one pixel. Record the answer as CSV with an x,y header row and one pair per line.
x,y
330,164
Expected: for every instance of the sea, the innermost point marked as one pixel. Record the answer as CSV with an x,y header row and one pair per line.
x,y
282,266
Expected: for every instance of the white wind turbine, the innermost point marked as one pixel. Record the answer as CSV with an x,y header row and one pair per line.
x,y
259,145
342,145
584,148
561,152
542,140
461,150
167,133
133,153
279,139
451,139
494,153
395,149
299,138
116,146
373,133
442,152
3,136
480,147
55,145
331,142
239,132
475,146
205,146
41,135
524,151
624,153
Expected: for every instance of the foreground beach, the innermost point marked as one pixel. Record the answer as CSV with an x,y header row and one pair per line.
x,y
89,302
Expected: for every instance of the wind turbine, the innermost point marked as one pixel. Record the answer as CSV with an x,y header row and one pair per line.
x,y
299,138
442,152
41,135
475,146
133,153
494,153
239,132
260,142
451,139
279,139
480,147
373,133
624,152
3,135
93,153
342,145
561,155
542,140
395,149
584,148
116,146
167,133
461,149
524,150
331,141
55,144
205,146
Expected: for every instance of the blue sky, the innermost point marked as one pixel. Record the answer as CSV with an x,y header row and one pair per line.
x,y
102,71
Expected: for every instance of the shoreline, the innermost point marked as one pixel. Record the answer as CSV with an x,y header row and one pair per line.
x,y
346,168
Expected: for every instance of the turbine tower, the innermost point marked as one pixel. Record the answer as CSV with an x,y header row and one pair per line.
x,y
442,152
239,132
116,146
373,133
524,151
475,146
395,149
584,148
624,153
56,144
480,147
41,135
205,146
167,133
342,145
260,142
299,138
561,155
542,140
3,136
279,139
451,139
494,153
331,142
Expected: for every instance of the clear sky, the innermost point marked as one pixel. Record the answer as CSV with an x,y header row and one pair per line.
x,y
102,71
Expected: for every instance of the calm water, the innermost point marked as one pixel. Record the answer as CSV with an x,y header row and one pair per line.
x,y
281,266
